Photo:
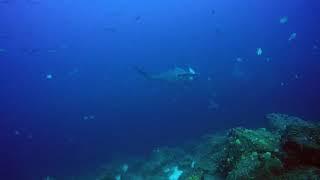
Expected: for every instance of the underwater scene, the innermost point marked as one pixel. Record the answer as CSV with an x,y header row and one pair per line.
x,y
159,90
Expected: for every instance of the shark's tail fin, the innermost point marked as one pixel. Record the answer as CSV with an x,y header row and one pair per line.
x,y
142,72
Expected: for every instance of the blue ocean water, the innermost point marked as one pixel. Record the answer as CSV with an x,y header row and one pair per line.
x,y
72,100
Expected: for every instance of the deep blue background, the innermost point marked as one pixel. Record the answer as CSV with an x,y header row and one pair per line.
x,y
91,47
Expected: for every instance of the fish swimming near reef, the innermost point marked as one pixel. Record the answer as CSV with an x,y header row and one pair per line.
x,y
174,75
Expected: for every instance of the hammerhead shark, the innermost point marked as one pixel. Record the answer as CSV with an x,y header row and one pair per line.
x,y
174,75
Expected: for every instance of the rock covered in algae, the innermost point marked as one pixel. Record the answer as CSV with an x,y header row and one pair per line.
x,y
281,152
302,145
300,140
249,151
280,122
208,153
245,166
301,174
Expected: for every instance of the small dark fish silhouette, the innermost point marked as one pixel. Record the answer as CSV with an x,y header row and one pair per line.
x,y
218,30
137,18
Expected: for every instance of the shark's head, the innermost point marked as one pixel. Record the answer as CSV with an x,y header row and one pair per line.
x,y
188,75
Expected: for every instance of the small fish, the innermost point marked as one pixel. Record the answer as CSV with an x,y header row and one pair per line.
x,y
292,36
193,164
125,168
239,59
16,132
49,76
283,20
259,51
218,30
89,117
316,48
213,105
137,18
117,177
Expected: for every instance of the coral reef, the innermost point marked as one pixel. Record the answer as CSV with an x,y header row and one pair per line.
x,y
290,149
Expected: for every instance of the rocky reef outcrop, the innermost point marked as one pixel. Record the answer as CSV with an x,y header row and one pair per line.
x,y
288,149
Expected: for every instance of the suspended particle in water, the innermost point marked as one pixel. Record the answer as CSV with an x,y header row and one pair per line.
x,y
283,20
268,59
16,132
51,50
213,105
